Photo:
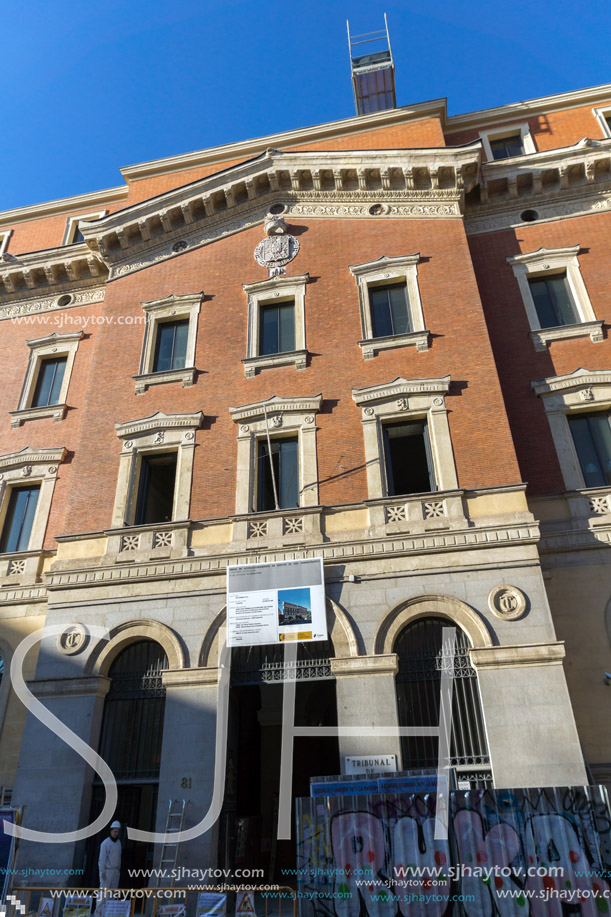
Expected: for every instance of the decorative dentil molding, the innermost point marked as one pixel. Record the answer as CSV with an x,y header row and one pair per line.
x,y
399,388
158,423
579,379
28,456
274,408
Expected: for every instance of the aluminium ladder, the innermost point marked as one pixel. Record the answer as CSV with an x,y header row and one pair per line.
x,y
169,850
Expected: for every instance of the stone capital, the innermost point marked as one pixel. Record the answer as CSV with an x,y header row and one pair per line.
x,y
384,664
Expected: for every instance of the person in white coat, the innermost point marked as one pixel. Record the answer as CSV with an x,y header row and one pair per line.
x,y
110,858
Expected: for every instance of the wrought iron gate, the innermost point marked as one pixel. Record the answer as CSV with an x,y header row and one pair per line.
x,y
419,648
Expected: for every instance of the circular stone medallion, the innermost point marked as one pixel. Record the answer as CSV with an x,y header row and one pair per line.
x,y
507,602
72,639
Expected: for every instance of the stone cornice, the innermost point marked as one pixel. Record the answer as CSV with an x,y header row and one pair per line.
x,y
496,657
249,148
273,284
53,269
575,380
190,678
582,165
357,666
395,264
174,299
485,537
417,183
56,338
543,253
158,421
400,386
29,456
276,405
91,685
578,98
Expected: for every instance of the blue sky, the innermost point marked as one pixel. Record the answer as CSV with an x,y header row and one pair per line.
x,y
89,87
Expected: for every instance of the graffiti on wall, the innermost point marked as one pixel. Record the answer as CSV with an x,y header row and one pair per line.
x,y
509,853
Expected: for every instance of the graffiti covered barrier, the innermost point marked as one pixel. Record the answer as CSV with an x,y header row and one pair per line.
x,y
513,853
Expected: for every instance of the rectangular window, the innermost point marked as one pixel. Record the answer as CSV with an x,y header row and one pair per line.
x,y
408,458
156,489
285,463
171,346
592,437
19,519
389,311
552,300
49,382
506,147
277,328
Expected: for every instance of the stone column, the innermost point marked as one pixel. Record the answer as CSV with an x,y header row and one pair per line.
x,y
53,782
532,737
367,697
188,759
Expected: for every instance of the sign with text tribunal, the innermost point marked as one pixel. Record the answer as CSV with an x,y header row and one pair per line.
x,y
276,602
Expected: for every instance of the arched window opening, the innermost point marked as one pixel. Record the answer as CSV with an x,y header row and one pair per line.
x,y
419,648
130,742
132,726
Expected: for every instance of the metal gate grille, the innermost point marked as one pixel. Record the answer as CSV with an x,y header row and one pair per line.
x,y
264,664
418,688
132,725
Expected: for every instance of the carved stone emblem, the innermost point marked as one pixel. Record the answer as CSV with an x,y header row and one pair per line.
x,y
277,420
507,602
159,437
278,248
72,639
586,394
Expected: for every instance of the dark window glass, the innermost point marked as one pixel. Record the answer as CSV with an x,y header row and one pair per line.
x,y
389,312
156,489
407,458
592,437
608,120
49,382
277,328
171,346
506,147
552,300
286,472
19,518
78,236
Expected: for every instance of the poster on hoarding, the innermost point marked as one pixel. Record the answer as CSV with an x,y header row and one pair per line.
x,y
77,906
211,904
276,602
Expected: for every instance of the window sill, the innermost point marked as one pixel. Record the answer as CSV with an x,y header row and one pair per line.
x,y
544,336
298,358
417,339
186,376
56,411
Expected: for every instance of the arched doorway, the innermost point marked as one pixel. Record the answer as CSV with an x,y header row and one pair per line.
x,y
130,743
248,825
418,680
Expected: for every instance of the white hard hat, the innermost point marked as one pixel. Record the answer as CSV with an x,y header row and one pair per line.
x,y
115,824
